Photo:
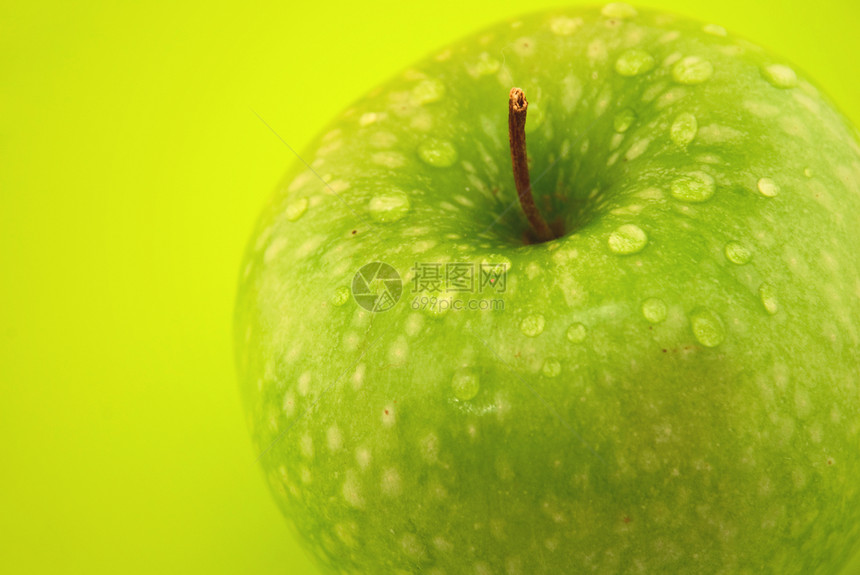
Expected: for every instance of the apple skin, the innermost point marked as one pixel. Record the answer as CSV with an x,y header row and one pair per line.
x,y
671,387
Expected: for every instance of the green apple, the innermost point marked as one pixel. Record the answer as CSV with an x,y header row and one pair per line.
x,y
668,385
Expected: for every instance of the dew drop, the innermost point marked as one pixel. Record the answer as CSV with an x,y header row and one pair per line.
x,y
768,187
466,383
684,129
634,62
340,297
767,293
427,91
624,120
737,254
692,70
533,325
780,76
551,368
654,310
693,187
389,207
627,239
619,10
438,153
576,333
296,209
707,327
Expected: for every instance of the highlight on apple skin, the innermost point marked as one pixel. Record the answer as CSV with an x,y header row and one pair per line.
x,y
668,386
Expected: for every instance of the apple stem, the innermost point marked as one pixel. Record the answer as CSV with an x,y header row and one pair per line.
x,y
517,107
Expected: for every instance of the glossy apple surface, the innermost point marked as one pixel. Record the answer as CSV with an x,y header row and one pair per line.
x,y
670,387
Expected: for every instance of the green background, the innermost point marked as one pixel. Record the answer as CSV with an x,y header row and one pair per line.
x,y
132,167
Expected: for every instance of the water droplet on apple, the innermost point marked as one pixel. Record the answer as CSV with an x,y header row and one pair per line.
x,y
737,254
437,153
340,297
427,91
780,76
707,327
692,70
693,187
634,62
619,10
577,333
296,209
768,187
624,120
654,310
768,298
551,368
684,129
627,239
533,325
389,207
466,383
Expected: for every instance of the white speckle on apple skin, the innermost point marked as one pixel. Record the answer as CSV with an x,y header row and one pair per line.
x,y
391,484
351,341
390,160
564,26
399,350
352,491
714,30
388,416
437,153
289,404
307,446
619,10
780,76
334,438
363,457
368,118
304,383
637,149
274,250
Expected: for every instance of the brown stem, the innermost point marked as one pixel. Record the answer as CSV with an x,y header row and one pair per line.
x,y
517,106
